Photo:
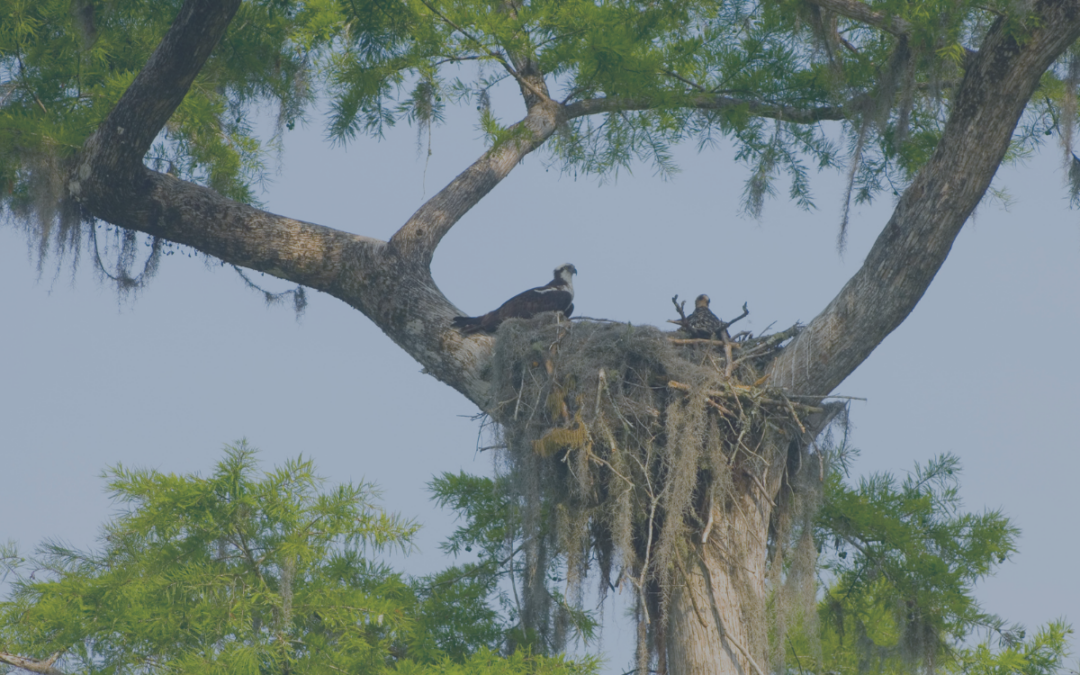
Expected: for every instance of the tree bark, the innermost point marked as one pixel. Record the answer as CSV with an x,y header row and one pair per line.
x,y
716,616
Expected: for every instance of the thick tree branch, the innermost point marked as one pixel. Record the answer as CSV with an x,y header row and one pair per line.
x,y
135,122
390,283
608,104
863,13
417,239
987,105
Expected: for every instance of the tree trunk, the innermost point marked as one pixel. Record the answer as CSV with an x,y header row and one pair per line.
x,y
717,614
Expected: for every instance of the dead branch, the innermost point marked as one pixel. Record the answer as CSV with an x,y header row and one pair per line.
x,y
700,341
679,307
745,313
44,666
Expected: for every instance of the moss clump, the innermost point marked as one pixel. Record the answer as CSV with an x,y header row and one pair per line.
x,y
622,446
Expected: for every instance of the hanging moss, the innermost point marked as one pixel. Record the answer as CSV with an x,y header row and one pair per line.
x,y
622,444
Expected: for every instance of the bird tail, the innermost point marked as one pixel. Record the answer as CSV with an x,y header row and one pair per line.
x,y
468,324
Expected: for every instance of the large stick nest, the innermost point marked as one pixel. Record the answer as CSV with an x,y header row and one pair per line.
x,y
623,443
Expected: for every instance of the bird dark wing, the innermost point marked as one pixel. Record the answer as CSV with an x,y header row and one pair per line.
x,y
703,323
535,300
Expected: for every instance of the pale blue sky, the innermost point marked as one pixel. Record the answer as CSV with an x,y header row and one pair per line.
x,y
984,368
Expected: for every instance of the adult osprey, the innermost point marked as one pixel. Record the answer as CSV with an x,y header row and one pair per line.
x,y
555,296
703,323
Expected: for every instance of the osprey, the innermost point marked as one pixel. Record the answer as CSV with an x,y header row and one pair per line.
x,y
703,323
555,296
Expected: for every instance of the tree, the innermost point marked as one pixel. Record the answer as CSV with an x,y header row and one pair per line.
x,y
902,560
390,282
242,573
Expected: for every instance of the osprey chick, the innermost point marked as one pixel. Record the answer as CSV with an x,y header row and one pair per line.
x,y
703,323
555,296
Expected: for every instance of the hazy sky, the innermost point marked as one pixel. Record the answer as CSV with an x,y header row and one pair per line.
x,y
984,368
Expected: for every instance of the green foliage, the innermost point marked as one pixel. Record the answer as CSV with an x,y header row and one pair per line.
x,y
64,64
249,572
244,573
494,532
902,558
1043,654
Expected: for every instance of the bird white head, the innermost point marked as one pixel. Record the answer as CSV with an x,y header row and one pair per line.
x,y
566,274
702,301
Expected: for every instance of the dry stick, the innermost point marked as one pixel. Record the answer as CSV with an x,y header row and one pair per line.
x,y
772,341
738,391
795,415
713,361
679,309
709,524
727,354
719,407
521,390
745,313
608,436
764,492
700,341
33,665
693,601
648,542
645,563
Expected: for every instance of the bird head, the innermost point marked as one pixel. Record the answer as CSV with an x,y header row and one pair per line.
x,y
702,301
565,273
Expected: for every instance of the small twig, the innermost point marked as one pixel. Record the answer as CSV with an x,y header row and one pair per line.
x,y
764,492
709,523
719,407
744,314
700,341
455,59
730,368
678,308
791,407
685,81
493,54
590,318
521,389
796,655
